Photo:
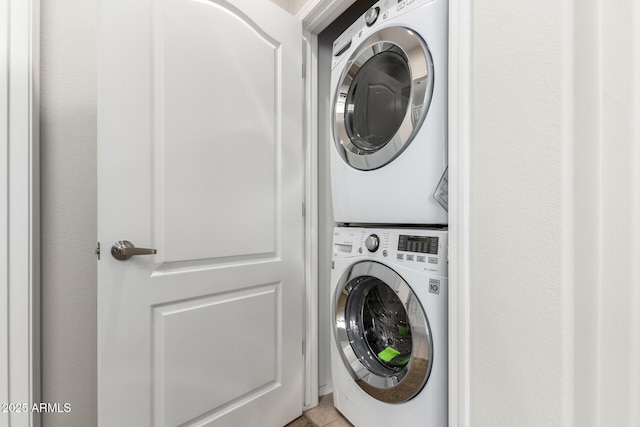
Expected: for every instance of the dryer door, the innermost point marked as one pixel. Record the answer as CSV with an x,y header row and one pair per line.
x,y
382,332
382,97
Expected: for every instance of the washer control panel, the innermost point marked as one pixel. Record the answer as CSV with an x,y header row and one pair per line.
x,y
419,249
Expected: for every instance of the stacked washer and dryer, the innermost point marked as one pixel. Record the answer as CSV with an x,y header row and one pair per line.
x,y
389,190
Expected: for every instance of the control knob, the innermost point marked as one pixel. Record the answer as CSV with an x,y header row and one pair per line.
x,y
371,16
372,243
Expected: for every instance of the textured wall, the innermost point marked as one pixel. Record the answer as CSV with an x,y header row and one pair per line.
x,y
518,137
68,138
555,330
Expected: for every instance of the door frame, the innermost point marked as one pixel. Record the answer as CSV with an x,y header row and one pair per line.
x,y
315,16
19,209
459,211
19,201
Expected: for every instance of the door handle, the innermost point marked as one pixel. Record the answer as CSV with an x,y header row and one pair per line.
x,y
123,250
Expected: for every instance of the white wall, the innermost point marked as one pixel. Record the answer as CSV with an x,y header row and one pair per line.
x,y
285,4
291,6
555,334
68,164
518,310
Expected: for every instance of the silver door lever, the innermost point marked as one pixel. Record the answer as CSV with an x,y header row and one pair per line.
x,y
124,249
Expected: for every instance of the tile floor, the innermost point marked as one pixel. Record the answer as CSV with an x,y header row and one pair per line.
x,y
323,415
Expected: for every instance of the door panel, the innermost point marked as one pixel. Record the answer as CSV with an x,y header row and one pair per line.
x,y
237,84
398,61
228,332
200,157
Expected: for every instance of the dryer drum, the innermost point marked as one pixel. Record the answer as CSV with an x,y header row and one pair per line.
x,y
382,332
381,91
382,97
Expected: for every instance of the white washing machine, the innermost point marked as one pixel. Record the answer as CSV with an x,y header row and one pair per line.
x,y
389,115
389,315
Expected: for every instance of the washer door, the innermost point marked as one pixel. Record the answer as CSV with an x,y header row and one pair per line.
x,y
382,97
382,332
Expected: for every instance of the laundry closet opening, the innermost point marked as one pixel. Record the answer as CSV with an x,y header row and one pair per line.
x,y
383,162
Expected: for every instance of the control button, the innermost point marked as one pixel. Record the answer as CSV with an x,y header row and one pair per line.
x,y
385,252
400,256
433,260
421,258
409,257
360,249
401,6
386,15
371,16
372,243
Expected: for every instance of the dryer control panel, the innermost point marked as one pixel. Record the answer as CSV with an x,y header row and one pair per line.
x,y
419,249
378,15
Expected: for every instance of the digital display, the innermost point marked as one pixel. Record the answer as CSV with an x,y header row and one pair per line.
x,y
418,244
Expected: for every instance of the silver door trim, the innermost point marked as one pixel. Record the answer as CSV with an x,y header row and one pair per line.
x,y
406,383
415,52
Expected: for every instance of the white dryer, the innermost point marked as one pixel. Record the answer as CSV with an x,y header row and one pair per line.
x,y
389,115
389,315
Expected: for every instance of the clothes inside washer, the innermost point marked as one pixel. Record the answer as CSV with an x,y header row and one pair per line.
x,y
386,327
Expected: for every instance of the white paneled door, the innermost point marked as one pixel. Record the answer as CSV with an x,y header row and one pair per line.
x,y
200,158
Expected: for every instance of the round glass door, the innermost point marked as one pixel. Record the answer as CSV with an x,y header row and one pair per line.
x,y
382,332
383,97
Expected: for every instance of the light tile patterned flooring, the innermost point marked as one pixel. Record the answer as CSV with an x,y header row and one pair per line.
x,y
325,414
